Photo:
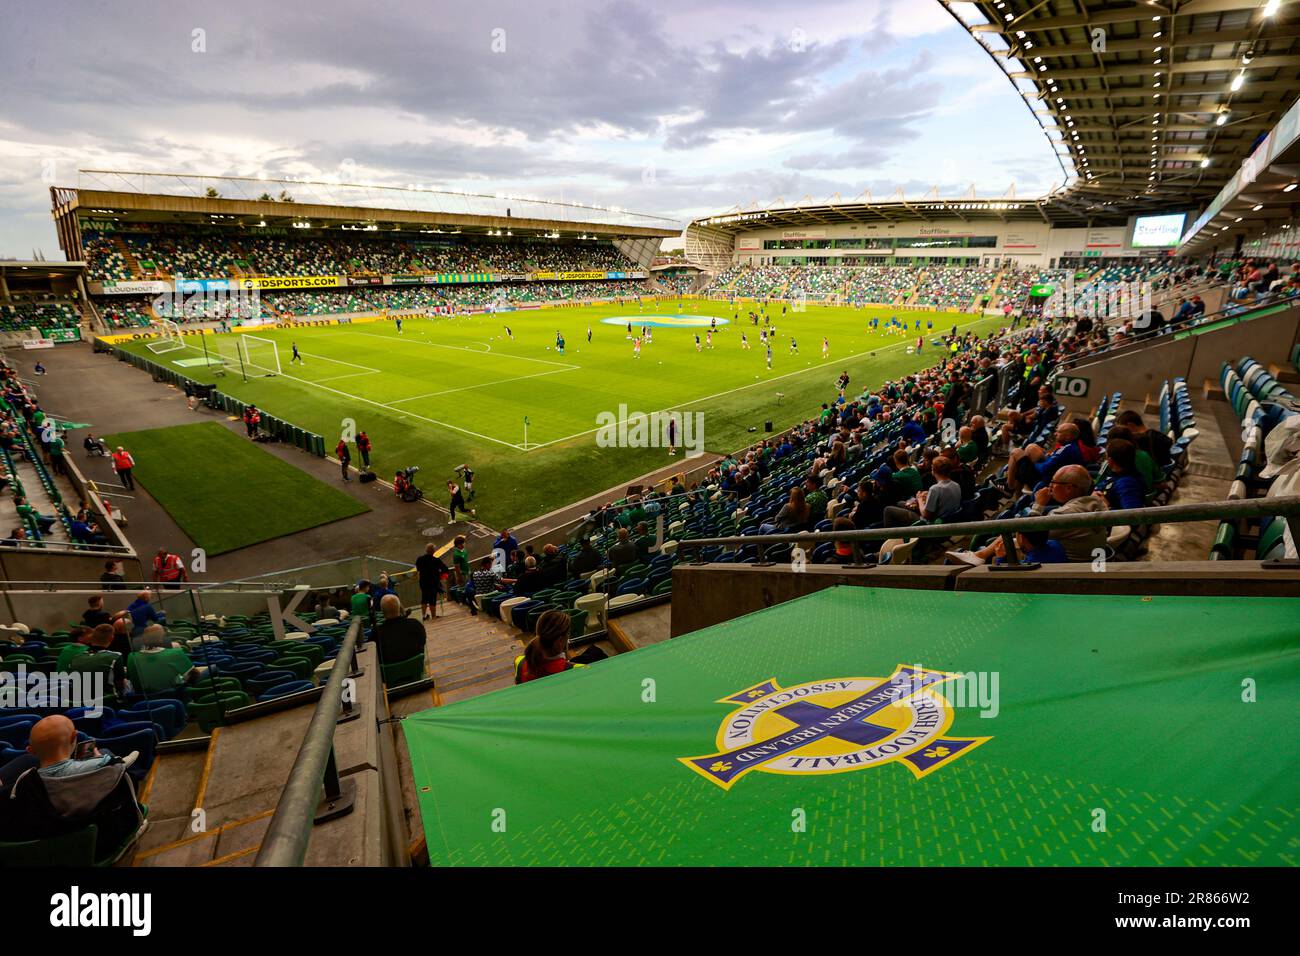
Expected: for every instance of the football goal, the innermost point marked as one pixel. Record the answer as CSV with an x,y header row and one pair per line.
x,y
259,354
169,338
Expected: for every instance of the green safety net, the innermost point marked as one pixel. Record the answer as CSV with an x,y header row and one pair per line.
x,y
846,728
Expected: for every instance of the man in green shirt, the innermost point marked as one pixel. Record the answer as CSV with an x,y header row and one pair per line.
x,y
27,511
906,478
157,668
360,605
56,447
967,451
815,498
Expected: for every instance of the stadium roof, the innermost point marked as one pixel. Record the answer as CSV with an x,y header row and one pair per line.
x,y
171,197
1149,105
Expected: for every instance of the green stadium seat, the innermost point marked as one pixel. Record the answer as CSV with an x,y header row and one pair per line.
x,y
404,672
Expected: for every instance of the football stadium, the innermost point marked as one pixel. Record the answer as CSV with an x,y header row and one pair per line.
x,y
483,502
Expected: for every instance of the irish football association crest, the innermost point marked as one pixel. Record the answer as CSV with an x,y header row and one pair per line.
x,y
836,726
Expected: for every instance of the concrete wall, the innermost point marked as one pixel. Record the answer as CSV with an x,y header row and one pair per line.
x,y
55,610
1142,370
704,595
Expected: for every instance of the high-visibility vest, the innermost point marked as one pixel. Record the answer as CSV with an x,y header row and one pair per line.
x,y
122,461
168,568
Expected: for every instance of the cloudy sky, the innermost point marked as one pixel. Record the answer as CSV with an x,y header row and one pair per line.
x,y
674,107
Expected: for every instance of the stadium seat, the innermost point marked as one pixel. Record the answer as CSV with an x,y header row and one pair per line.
x,y
404,672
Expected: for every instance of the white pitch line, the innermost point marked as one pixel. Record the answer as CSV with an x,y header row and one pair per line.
x,y
463,388
326,358
396,411
461,348
335,378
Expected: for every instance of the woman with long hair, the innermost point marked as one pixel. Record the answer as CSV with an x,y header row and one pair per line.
x,y
547,653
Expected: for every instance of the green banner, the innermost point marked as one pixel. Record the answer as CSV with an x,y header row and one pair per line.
x,y
1042,291
62,334
885,726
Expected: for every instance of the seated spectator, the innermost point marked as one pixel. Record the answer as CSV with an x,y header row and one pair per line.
x,y
1145,466
86,532
1125,490
1087,441
60,786
980,433
587,560
44,522
1033,464
941,502
1156,444
1034,547
843,550
94,446
159,667
399,637
79,640
793,516
867,505
552,567
815,497
968,450
16,537
547,653
100,659
1070,492
622,554
532,581
95,613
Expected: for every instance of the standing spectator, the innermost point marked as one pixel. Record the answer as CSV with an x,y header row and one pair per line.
x,y
122,464
360,603
345,458
56,449
506,543
252,418
460,560
430,570
143,614
169,569
363,448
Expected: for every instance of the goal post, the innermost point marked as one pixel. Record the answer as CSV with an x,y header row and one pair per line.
x,y
169,338
259,353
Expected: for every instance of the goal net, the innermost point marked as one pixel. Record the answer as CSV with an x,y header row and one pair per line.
x,y
169,338
259,354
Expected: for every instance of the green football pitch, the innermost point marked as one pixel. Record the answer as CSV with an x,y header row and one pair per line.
x,y
219,503
449,390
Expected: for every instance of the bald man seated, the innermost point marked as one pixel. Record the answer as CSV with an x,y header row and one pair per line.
x,y
53,742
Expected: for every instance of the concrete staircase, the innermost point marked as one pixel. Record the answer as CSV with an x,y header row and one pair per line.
x,y
132,262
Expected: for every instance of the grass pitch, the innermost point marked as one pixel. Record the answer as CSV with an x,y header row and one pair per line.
x,y
449,390
226,492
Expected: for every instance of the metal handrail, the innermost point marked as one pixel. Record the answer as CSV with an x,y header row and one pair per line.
x,y
285,843
1287,508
